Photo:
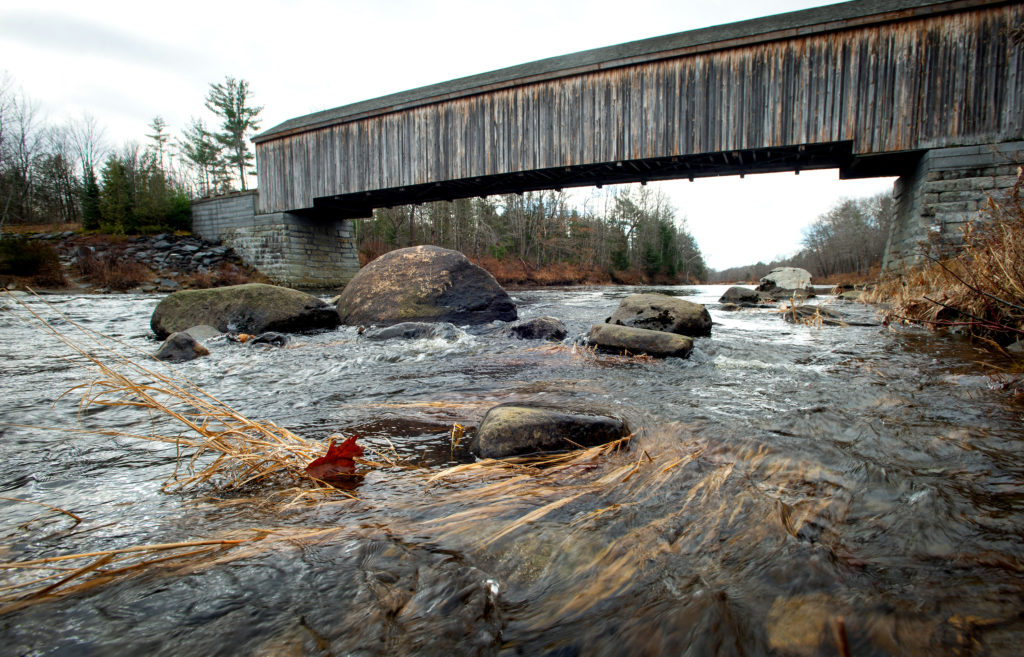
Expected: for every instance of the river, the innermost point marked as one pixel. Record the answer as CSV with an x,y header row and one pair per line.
x,y
790,490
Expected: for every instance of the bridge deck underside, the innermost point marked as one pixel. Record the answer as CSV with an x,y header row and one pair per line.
x,y
793,158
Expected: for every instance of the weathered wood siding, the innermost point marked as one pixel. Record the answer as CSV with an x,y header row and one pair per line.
x,y
945,79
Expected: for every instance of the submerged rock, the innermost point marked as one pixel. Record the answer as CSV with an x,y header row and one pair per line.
x,y
806,314
424,283
742,295
511,429
271,338
251,308
617,339
180,347
657,312
203,332
415,331
851,295
786,282
539,328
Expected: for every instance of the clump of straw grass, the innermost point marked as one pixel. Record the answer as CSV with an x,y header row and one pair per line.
x,y
980,288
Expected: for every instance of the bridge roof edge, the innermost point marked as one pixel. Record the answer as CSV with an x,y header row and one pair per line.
x,y
826,18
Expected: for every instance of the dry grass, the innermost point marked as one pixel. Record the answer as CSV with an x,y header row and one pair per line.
x,y
114,271
514,271
218,446
980,288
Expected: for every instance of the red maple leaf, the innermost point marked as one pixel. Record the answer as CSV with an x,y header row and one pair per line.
x,y
338,461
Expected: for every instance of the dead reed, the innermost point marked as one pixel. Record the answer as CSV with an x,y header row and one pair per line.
x,y
218,446
979,288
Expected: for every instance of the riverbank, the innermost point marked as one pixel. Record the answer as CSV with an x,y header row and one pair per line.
x,y
97,262
64,259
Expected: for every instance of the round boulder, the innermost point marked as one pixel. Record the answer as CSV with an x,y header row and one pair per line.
x,y
658,312
786,282
424,283
510,429
618,339
180,347
250,308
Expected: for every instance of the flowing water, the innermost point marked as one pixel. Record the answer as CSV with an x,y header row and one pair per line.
x,y
786,485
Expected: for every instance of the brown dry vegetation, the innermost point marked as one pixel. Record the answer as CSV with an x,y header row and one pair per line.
x,y
979,289
113,271
519,272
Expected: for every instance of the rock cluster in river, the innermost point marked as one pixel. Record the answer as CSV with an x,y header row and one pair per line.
x,y
654,324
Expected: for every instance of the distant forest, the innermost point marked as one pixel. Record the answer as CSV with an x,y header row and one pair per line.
x,y
628,233
849,239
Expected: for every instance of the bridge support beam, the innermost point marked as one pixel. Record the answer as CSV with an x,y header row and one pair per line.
x,y
946,188
290,249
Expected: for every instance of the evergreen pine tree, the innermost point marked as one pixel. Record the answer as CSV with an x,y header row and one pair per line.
x,y
229,101
116,198
90,200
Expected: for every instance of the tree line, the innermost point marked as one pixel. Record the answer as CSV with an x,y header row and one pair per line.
x,y
625,229
67,172
849,238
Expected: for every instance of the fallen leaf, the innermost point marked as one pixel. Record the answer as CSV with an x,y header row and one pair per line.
x,y
337,462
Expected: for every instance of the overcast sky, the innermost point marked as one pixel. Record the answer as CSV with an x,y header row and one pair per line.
x,y
126,62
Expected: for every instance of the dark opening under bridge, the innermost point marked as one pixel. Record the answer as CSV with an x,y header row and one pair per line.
x,y
932,92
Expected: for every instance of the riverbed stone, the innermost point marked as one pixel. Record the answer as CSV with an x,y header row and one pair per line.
x,y
180,347
740,295
251,308
658,312
203,332
424,283
539,328
510,429
785,283
660,344
415,331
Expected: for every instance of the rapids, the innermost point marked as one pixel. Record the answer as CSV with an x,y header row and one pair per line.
x,y
787,486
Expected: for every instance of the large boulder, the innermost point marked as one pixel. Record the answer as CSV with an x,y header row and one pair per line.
x,y
251,308
180,347
786,282
618,339
510,429
424,283
658,312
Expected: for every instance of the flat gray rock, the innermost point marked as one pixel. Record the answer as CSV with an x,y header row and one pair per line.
x,y
619,339
511,429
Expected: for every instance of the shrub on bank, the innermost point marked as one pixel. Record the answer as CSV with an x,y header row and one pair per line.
x,y
36,261
113,271
980,288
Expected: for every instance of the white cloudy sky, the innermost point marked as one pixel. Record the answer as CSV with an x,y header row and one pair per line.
x,y
126,62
